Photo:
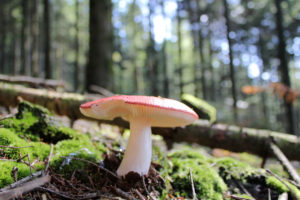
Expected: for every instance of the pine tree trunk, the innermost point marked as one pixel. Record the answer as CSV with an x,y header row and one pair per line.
x,y
201,54
180,67
25,45
152,60
99,68
3,32
232,71
47,40
166,91
76,42
35,38
283,69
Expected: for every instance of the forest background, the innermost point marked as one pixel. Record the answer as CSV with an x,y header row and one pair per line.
x,y
243,57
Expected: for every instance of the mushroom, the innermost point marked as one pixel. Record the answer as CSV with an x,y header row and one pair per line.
x,y
142,112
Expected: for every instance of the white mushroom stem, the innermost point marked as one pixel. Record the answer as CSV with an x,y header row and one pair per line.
x,y
137,157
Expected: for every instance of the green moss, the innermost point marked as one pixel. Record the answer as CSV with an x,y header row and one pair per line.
x,y
201,107
277,185
6,167
9,138
36,123
208,184
34,126
230,168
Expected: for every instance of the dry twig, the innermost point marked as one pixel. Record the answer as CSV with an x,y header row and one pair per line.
x,y
27,187
193,187
123,194
285,162
11,147
49,158
22,181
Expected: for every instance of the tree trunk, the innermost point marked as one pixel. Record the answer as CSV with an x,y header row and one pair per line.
x,y
25,45
211,68
180,67
3,32
232,71
233,138
152,60
76,42
35,69
283,69
47,40
99,68
201,54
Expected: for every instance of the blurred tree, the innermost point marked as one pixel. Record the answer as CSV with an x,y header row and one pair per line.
x,y
152,62
232,71
76,44
99,68
35,68
179,48
283,67
25,45
166,91
47,40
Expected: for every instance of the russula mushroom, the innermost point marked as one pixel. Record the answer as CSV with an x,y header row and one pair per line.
x,y
142,112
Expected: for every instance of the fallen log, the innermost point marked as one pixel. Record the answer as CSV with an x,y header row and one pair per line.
x,y
217,135
33,82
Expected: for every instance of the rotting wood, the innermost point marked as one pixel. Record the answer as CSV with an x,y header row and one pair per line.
x,y
217,135
33,82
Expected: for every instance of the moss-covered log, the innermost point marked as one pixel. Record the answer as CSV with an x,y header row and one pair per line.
x,y
33,82
216,135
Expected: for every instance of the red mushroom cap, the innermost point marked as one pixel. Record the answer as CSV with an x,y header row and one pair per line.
x,y
158,111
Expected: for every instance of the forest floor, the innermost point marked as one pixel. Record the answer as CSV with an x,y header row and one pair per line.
x,y
40,158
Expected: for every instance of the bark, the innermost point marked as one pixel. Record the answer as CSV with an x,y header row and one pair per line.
x,y
25,45
166,91
35,38
284,70
33,82
3,30
47,40
76,42
99,68
211,68
232,71
233,138
180,67
201,54
152,61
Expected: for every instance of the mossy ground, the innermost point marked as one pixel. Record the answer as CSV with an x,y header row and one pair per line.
x,y
34,126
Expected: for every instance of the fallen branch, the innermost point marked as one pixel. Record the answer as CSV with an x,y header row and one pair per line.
x,y
193,187
33,82
22,181
202,132
285,162
11,147
294,195
26,187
